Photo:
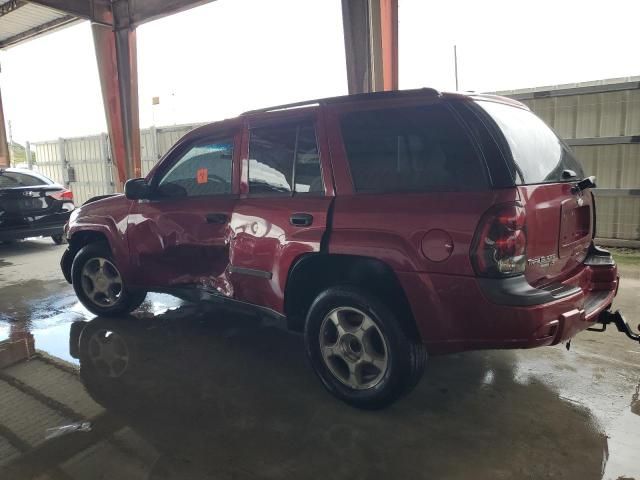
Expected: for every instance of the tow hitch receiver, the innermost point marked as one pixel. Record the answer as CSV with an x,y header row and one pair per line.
x,y
607,317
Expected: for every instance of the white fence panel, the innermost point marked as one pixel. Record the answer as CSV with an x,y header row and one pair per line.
x,y
155,142
49,160
167,136
148,150
90,166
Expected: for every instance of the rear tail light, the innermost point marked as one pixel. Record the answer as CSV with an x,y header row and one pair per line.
x,y
500,244
64,195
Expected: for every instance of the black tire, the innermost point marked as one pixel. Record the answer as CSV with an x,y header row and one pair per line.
x,y
126,301
405,357
59,239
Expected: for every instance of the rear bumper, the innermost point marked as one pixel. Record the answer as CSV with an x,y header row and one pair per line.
x,y
456,313
34,230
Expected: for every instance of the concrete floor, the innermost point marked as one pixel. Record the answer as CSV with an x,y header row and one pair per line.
x,y
208,395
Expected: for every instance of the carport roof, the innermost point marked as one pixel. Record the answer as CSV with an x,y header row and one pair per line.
x,y
20,21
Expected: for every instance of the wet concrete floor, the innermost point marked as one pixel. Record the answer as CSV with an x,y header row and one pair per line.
x,y
185,392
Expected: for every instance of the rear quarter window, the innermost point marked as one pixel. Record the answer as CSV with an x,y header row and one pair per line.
x,y
540,156
411,149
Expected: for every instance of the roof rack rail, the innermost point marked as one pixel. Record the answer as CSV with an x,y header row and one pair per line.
x,y
285,106
344,98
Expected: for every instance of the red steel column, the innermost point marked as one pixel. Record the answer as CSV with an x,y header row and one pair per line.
x,y
116,54
371,44
389,40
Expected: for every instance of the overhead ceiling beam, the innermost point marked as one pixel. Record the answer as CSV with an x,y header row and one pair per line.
x,y
40,29
11,6
141,11
121,13
94,10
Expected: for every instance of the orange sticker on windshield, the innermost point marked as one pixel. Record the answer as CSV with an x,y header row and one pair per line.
x,y
202,176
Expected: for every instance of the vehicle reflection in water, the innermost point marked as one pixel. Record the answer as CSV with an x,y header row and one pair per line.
x,y
193,394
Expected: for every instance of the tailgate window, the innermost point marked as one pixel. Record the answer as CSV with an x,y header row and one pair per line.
x,y
539,155
418,149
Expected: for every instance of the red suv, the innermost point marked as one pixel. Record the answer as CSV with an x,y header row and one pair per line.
x,y
383,226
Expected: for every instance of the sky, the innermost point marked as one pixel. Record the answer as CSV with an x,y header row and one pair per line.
x,y
218,60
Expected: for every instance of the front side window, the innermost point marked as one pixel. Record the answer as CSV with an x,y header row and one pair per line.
x,y
540,156
284,159
205,169
409,149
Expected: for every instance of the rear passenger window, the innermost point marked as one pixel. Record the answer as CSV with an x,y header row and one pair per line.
x,y
284,159
410,149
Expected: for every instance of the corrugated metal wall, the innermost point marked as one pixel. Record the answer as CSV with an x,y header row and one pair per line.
x,y
601,121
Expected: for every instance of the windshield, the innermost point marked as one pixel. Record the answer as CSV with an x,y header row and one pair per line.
x,y
540,155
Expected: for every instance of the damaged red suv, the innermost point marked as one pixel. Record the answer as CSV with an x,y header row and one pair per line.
x,y
383,226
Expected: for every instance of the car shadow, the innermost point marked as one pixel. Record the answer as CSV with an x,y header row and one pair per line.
x,y
27,246
218,395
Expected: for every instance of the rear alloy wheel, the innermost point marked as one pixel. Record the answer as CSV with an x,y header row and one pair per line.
x,y
359,350
353,348
99,284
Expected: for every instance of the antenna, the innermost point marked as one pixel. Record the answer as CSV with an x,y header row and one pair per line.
x,y
455,64
11,158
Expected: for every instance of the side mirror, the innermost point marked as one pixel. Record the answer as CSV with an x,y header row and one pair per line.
x,y
137,189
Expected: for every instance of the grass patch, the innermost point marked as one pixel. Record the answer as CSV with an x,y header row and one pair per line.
x,y
626,256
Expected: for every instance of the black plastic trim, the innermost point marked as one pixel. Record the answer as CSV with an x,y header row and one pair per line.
x,y
251,271
516,291
197,294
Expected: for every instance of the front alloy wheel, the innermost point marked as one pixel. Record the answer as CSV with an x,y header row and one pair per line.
x,y
101,282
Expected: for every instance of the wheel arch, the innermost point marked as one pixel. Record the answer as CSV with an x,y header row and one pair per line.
x,y
77,240
313,273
